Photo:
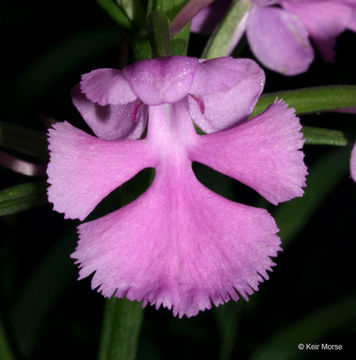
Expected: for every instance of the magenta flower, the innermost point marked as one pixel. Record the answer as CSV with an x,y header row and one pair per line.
x,y
279,35
353,163
352,4
179,244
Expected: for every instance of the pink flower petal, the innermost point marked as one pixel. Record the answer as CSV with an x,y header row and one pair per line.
x,y
83,169
352,22
261,153
352,6
161,80
180,246
111,122
279,40
353,163
227,90
107,87
324,20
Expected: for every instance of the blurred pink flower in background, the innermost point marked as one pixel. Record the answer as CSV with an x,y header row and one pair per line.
x,y
279,35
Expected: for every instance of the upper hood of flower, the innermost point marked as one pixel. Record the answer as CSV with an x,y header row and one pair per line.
x,y
222,92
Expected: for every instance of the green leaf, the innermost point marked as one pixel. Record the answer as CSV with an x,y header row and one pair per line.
x,y
26,141
219,42
320,136
284,344
179,47
141,49
313,99
179,43
5,353
158,30
292,216
121,326
170,7
134,11
113,10
22,197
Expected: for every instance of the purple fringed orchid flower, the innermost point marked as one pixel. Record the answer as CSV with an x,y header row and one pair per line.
x,y
279,35
179,244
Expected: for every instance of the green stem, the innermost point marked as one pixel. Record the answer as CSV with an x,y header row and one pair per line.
x,y
121,326
158,30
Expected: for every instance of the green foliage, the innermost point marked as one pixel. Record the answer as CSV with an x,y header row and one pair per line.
x,y
158,30
121,326
22,197
219,42
134,11
311,100
170,7
29,142
320,136
117,14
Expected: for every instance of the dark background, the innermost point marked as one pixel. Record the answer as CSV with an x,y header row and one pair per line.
x,y
47,314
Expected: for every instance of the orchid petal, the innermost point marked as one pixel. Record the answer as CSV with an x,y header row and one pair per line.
x,y
83,169
180,246
111,122
352,5
279,40
324,20
353,163
261,153
107,87
352,22
161,80
224,92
